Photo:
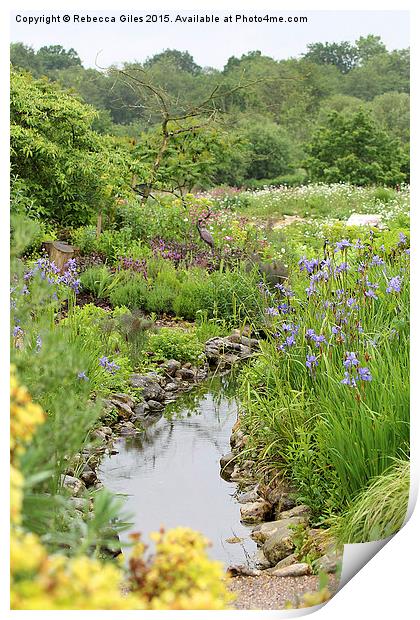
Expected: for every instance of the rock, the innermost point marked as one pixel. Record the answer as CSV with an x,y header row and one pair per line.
x,y
150,386
280,544
297,511
364,219
107,406
236,439
171,387
88,476
230,359
255,512
283,504
252,343
218,347
186,374
263,532
154,405
80,503
141,410
329,562
227,465
260,560
106,430
98,434
74,485
285,562
128,428
122,398
295,570
238,475
249,496
240,569
170,367
123,409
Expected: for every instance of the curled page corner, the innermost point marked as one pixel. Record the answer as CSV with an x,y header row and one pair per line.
x,y
357,555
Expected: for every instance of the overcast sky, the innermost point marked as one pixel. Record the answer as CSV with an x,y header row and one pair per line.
x,y
210,44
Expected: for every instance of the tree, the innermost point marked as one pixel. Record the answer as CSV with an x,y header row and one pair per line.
x,y
380,74
343,55
354,149
183,61
182,147
68,170
269,149
53,57
24,57
369,47
392,112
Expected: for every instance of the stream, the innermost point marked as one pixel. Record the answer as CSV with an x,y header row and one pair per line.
x,y
170,473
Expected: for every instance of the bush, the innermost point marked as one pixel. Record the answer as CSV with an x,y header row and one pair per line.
x,y
69,170
132,293
229,295
175,344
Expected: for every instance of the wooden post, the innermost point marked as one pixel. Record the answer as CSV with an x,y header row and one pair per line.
x,y
59,252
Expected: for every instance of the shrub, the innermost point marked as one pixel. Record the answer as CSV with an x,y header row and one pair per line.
x,y
175,344
132,293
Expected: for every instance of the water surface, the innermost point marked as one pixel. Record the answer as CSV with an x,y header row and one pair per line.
x,y
171,474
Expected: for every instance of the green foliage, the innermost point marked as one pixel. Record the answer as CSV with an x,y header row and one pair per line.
x,y
380,510
342,55
69,171
228,295
131,292
298,413
176,344
354,150
99,281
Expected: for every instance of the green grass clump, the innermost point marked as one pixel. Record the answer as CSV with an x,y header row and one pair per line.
x,y
379,511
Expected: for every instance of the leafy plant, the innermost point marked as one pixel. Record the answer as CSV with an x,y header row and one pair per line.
x,y
176,344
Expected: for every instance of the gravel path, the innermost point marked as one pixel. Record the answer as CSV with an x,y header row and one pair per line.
x,y
269,592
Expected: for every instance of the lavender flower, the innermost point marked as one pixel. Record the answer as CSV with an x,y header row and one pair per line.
x,y
394,285
371,293
342,245
38,343
358,245
364,374
376,261
351,360
17,331
271,311
348,380
82,376
311,360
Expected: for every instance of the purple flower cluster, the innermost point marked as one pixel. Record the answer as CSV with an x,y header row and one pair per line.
x,y
140,266
394,285
312,336
353,371
111,367
70,275
49,271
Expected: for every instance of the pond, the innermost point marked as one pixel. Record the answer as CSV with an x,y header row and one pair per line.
x,y
170,474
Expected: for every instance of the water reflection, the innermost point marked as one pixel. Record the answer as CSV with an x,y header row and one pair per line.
x,y
170,473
